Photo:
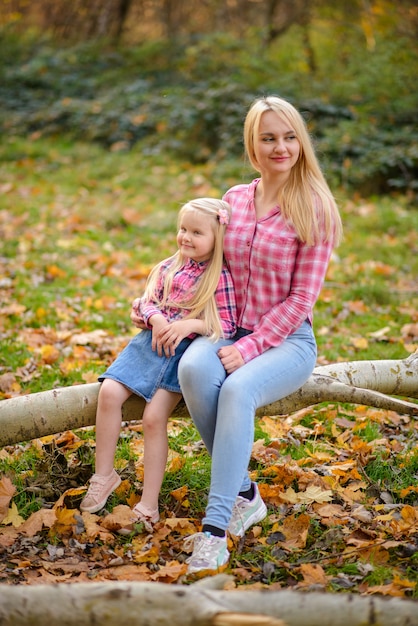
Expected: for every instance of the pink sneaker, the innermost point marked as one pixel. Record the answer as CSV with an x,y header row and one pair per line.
x,y
141,513
100,489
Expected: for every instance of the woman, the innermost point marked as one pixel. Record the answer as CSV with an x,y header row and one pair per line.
x,y
283,228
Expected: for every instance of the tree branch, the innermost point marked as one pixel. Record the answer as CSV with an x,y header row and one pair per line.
x,y
24,418
125,604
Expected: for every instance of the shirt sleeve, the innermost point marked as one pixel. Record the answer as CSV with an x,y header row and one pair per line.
x,y
148,308
311,263
225,301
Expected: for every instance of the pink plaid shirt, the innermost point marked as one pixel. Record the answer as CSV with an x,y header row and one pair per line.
x,y
277,278
184,282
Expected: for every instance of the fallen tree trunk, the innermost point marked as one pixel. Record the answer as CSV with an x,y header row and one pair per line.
x,y
27,417
141,604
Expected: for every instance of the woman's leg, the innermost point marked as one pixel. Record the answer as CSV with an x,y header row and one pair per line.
x,y
201,375
154,423
269,377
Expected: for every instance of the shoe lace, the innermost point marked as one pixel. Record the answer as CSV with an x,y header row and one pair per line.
x,y
96,483
199,545
238,509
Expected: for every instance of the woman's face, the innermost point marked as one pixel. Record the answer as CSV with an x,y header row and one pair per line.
x,y
276,147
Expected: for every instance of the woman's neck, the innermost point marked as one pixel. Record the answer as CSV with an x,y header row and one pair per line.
x,y
266,197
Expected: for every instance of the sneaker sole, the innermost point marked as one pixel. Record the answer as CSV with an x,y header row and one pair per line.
x,y
200,573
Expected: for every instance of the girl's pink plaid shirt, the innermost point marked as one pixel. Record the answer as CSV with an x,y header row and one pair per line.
x,y
277,278
183,286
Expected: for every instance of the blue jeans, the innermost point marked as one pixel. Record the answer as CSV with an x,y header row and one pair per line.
x,y
223,407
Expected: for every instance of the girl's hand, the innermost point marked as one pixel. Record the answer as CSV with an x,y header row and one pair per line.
x,y
171,335
231,358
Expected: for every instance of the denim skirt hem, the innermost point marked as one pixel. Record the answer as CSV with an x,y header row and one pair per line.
x,y
142,371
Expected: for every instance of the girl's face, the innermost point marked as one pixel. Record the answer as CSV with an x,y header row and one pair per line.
x,y
277,147
195,237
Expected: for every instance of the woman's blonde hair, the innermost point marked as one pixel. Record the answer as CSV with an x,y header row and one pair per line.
x,y
305,199
202,302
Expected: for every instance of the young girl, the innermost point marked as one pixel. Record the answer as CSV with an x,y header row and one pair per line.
x,y
188,294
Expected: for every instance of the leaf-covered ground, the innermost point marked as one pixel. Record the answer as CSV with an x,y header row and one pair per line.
x,y
333,524
80,229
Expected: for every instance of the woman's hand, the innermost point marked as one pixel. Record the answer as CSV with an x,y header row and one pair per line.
x,y
158,324
136,318
231,358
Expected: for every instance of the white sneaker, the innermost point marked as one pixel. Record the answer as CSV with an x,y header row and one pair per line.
x,y
246,513
210,553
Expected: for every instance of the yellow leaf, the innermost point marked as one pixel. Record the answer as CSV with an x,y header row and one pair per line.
x,y
148,556
13,517
312,494
49,354
360,343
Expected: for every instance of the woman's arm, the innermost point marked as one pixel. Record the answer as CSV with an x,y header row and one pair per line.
x,y
285,317
225,302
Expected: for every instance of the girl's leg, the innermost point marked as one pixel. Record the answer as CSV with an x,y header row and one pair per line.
x,y
112,395
154,423
201,375
269,377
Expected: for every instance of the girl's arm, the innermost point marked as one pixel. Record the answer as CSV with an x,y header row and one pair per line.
x,y
170,336
146,308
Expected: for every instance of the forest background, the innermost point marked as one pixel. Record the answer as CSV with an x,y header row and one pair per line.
x,y
112,115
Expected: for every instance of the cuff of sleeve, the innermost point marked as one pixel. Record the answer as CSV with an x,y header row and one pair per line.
x,y
247,348
148,314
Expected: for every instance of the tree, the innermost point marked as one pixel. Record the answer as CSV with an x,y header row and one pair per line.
x,y
374,383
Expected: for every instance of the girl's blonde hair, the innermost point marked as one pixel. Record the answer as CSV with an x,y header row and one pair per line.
x,y
202,302
305,199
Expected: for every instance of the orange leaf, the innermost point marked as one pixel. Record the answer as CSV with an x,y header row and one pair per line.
x,y
170,572
312,575
410,515
295,529
49,354
180,493
7,491
44,518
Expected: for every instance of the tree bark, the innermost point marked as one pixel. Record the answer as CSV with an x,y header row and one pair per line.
x,y
142,604
24,418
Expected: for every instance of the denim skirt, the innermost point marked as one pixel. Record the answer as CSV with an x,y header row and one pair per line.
x,y
142,371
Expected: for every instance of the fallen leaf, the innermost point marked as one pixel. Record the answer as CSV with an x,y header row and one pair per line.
x,y
312,494
7,491
13,517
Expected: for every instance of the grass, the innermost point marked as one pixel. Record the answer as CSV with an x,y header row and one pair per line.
x,y
91,223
